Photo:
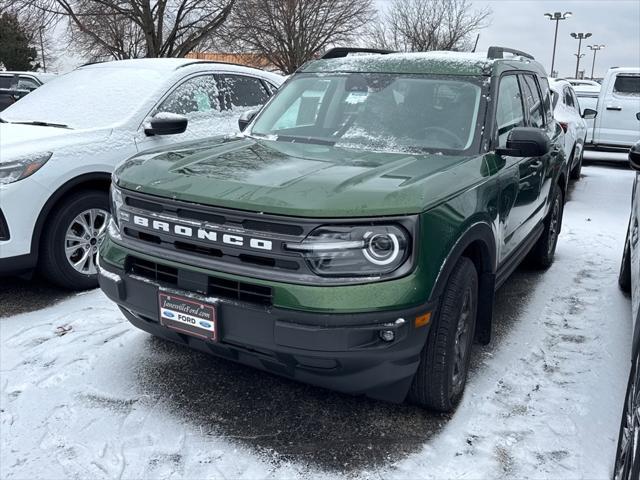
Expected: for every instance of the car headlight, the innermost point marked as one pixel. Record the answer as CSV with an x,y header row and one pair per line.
x,y
117,202
23,166
355,251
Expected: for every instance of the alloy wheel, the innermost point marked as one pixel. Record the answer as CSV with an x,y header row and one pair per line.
x,y
461,345
83,237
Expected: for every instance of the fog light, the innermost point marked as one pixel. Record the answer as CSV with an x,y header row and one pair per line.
x,y
387,335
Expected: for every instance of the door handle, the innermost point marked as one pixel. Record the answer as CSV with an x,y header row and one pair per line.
x,y
617,108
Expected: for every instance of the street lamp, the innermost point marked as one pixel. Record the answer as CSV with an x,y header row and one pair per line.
x,y
579,36
557,16
595,49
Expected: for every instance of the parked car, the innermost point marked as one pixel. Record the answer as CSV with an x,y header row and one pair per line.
x,y
566,110
627,465
354,238
15,85
59,145
588,98
580,83
616,127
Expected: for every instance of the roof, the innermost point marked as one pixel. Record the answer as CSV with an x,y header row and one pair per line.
x,y
167,65
442,63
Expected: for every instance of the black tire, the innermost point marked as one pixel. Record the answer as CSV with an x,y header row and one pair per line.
x,y
543,252
624,277
53,262
627,464
442,373
575,171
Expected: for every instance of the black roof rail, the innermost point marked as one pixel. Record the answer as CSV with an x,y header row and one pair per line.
x,y
340,52
498,52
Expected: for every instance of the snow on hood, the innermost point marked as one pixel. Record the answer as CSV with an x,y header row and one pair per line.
x,y
17,140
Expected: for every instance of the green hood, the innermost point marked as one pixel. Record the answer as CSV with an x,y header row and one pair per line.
x,y
299,179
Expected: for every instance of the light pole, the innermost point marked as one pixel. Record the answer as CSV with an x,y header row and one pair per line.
x,y
556,16
595,49
580,36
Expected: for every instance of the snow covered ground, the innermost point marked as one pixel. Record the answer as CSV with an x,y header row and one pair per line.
x,y
85,395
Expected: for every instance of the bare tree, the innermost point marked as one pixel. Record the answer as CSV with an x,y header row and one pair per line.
x,y
123,28
290,32
423,25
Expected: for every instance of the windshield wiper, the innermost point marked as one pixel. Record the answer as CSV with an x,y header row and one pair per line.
x,y
311,140
40,124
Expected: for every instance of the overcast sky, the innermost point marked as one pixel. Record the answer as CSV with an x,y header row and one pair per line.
x,y
521,24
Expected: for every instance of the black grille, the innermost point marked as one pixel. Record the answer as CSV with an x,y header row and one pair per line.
x,y
215,286
4,228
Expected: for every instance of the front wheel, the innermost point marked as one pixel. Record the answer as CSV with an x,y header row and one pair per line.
x,y
444,360
71,239
544,250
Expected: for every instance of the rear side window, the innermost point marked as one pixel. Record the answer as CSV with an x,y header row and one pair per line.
x,y
546,99
533,101
627,84
7,81
568,99
510,113
241,91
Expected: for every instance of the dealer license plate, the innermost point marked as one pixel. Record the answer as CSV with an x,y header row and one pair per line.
x,y
189,316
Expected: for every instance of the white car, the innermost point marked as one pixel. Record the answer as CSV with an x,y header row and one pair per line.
x,y
567,112
580,83
60,144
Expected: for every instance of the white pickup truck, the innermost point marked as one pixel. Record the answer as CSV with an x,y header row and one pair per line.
x,y
617,125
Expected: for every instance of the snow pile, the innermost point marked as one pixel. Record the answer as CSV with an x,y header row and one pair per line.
x,y
86,395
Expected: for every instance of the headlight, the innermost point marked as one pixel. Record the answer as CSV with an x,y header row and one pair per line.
x,y
117,203
355,251
22,167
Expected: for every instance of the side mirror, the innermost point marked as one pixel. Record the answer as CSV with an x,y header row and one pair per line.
x,y
634,156
526,142
589,114
638,115
166,124
245,119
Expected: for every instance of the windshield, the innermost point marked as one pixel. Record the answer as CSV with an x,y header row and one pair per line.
x,y
375,111
87,98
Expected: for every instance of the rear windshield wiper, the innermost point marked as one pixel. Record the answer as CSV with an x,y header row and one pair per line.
x,y
40,124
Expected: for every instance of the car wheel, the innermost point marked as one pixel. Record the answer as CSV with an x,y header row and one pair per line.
x,y
627,465
624,277
544,250
575,171
444,360
71,239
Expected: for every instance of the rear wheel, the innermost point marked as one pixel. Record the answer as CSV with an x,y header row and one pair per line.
x,y
444,361
544,250
627,465
624,277
575,171
71,239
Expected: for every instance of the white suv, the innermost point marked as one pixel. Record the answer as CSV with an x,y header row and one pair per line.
x,y
59,145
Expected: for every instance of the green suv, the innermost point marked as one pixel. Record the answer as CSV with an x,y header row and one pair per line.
x,y
354,235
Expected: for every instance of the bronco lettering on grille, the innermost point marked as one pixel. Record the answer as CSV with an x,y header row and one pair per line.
x,y
203,234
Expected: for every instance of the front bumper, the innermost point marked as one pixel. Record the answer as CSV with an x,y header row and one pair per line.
x,y
21,203
342,352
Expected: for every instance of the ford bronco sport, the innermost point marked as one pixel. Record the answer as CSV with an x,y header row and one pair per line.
x,y
353,237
